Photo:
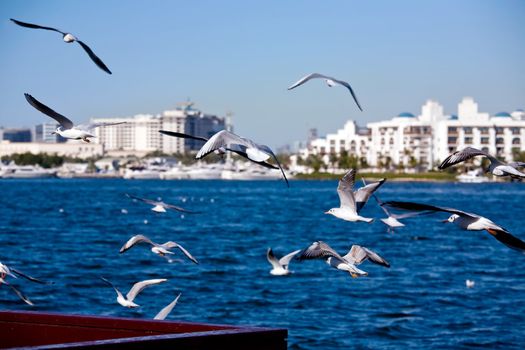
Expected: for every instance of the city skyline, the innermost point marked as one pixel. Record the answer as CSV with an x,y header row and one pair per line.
x,y
396,56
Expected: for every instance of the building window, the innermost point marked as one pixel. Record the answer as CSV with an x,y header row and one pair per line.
x,y
484,140
499,130
516,141
467,130
452,130
484,131
468,140
515,131
452,140
500,141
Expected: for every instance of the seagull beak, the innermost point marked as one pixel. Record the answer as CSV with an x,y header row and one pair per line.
x,y
327,212
53,132
444,221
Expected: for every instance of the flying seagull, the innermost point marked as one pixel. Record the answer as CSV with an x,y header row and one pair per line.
x,y
68,38
67,129
160,206
12,272
220,151
330,81
466,221
280,266
133,292
159,249
496,167
167,309
228,141
353,201
355,256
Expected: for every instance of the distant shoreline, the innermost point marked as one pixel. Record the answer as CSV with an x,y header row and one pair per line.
x,y
400,177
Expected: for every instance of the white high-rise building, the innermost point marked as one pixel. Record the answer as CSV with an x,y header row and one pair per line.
x,y
140,133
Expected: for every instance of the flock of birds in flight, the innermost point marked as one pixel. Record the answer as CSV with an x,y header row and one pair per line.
x,y
351,201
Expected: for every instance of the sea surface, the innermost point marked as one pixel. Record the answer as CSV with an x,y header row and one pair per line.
x,y
70,232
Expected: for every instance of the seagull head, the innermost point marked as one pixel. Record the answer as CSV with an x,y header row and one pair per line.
x,y
69,38
331,211
452,218
330,82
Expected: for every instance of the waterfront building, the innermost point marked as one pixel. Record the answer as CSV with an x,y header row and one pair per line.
x,y
15,135
44,133
422,142
140,134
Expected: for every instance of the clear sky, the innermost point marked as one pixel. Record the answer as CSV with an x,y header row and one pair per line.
x,y
241,56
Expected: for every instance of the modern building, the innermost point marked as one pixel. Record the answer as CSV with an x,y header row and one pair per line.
x,y
44,133
15,135
425,140
141,132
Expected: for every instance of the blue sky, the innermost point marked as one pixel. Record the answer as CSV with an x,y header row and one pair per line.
x,y
241,56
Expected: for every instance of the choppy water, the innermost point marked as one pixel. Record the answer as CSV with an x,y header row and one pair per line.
x,y
421,301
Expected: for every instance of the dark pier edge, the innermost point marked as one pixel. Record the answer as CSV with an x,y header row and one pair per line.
x,y
38,330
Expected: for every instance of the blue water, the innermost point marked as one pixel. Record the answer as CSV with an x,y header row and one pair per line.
x,y
421,301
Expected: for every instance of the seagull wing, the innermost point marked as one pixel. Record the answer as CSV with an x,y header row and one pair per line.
x,y
345,84
285,260
508,239
181,135
306,78
171,244
241,150
139,287
318,250
356,255
135,240
268,150
149,201
65,122
344,190
425,207
222,139
272,259
167,309
91,126
517,164
174,207
375,258
363,194
461,156
94,57
20,294
112,286
35,26
27,277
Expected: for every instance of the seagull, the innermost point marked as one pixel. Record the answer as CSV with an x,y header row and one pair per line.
x,y
466,221
330,81
160,206
280,266
353,202
355,256
68,38
469,283
224,141
67,129
220,151
159,249
496,167
167,309
7,271
133,292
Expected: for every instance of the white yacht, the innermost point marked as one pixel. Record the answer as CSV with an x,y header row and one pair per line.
x,y
13,171
472,176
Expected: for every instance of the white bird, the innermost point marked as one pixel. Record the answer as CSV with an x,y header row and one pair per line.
x,y
466,221
67,129
469,283
12,272
355,256
133,292
227,141
160,206
353,201
329,81
159,249
496,167
68,38
167,309
280,266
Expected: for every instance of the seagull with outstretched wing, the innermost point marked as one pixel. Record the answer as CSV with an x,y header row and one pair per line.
x,y
160,206
280,266
160,249
329,81
167,309
67,129
466,221
138,287
68,38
